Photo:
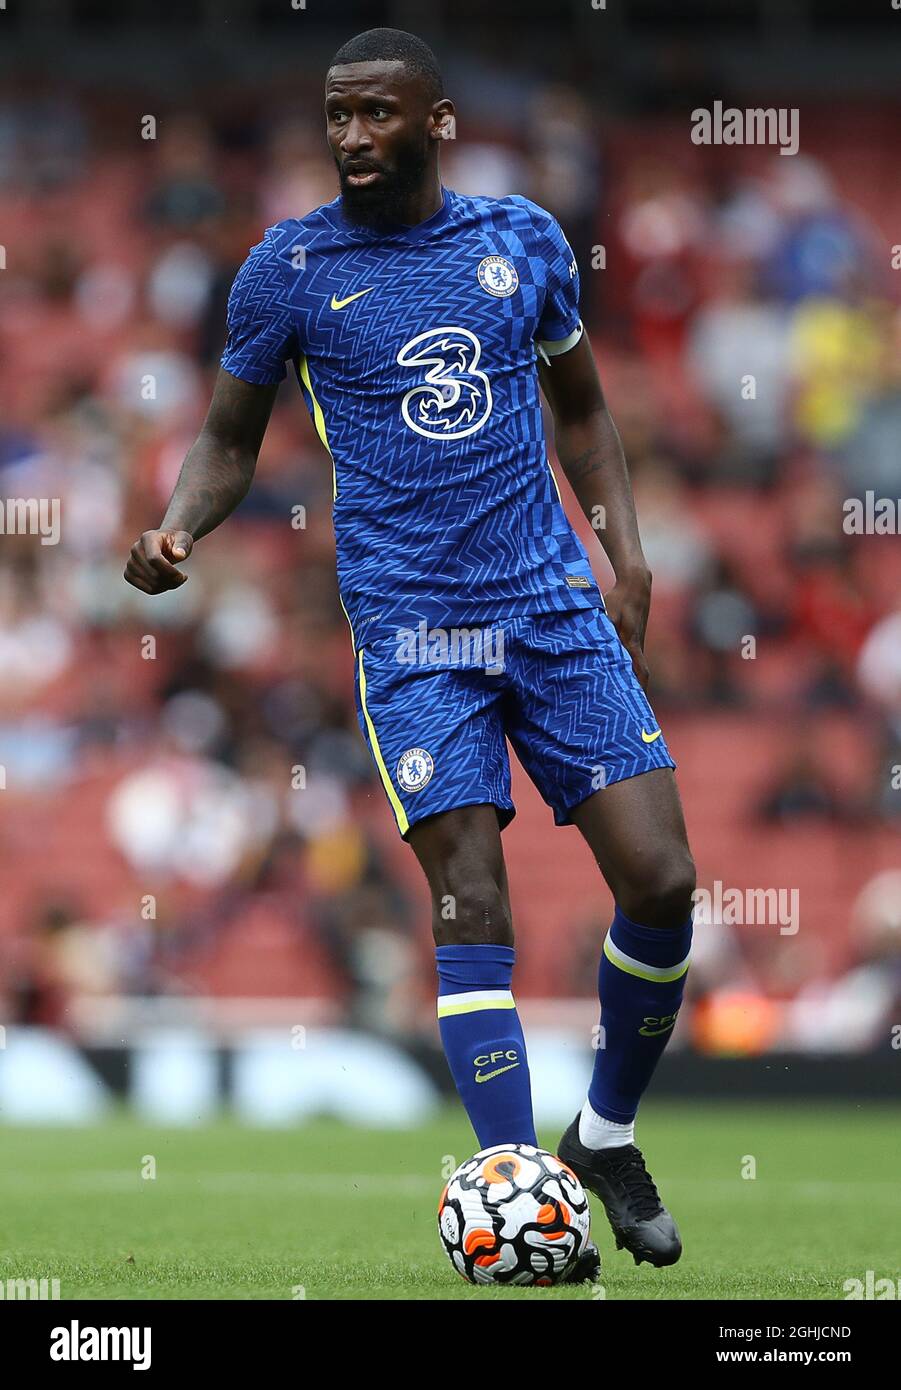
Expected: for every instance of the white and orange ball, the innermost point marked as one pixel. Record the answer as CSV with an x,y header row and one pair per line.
x,y
513,1214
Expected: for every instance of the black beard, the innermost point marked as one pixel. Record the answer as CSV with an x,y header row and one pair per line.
x,y
384,204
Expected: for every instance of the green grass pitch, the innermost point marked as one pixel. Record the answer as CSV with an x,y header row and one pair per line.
x,y
235,1213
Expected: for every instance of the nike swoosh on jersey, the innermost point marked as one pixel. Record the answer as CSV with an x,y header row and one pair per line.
x,y
343,303
649,738
489,1074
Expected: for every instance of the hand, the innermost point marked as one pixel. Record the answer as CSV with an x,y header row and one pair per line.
x,y
150,565
627,606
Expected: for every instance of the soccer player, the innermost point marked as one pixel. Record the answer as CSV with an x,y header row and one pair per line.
x,y
419,324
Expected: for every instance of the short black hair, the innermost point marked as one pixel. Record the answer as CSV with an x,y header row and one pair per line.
x,y
394,46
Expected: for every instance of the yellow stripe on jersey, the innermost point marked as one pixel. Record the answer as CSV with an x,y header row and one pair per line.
x,y
318,417
319,421
353,640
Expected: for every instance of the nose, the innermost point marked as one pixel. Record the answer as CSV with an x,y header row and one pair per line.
x,y
355,138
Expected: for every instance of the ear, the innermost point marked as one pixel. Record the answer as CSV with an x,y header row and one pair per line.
x,y
444,121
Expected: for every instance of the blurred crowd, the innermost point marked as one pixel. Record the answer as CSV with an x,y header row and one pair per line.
x,y
185,784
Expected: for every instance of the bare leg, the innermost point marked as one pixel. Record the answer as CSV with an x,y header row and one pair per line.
x,y
461,856
636,832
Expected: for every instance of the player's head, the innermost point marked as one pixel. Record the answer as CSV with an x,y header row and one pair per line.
x,y
386,113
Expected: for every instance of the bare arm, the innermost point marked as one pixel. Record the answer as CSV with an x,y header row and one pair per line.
x,y
215,476
592,458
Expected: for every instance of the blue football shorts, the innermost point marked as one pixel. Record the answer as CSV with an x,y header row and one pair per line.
x,y
437,706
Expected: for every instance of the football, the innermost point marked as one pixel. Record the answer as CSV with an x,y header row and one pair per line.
x,y
513,1214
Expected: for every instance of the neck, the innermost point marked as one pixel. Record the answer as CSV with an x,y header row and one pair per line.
x,y
424,203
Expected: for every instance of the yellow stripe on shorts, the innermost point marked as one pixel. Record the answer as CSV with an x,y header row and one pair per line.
x,y
400,814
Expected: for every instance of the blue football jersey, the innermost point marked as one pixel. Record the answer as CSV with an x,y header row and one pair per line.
x,y
416,350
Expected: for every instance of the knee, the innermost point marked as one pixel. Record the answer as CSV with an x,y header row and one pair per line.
x,y
660,892
473,913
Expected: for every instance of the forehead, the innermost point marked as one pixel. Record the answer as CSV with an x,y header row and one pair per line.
x,y
383,79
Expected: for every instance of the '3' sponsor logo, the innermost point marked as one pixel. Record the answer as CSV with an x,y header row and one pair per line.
x,y
453,397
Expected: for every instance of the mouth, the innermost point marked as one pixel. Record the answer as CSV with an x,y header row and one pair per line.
x,y
362,178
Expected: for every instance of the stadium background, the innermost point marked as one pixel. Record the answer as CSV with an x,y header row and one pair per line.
x,y
195,851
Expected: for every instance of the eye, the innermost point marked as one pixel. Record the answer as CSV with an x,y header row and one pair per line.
x,y
337,117
379,113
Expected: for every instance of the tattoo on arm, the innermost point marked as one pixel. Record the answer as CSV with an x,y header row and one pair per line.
x,y
212,482
592,458
591,461
219,467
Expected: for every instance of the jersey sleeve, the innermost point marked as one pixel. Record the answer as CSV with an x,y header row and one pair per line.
x,y
261,331
559,327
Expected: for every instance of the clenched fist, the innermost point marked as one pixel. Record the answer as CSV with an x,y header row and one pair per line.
x,y
152,563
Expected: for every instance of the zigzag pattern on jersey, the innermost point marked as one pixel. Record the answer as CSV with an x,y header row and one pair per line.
x,y
261,329
429,525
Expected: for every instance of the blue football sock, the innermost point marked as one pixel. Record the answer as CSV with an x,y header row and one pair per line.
x,y
483,1042
640,985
